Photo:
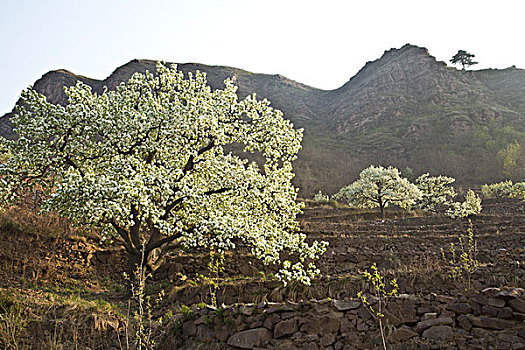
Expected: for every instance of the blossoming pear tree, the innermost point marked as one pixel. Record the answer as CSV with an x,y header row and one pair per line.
x,y
379,187
436,191
470,206
152,165
504,189
498,190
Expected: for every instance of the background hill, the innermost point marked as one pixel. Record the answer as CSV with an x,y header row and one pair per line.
x,y
404,109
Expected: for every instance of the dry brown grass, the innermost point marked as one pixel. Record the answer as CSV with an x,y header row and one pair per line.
x,y
25,215
45,320
56,297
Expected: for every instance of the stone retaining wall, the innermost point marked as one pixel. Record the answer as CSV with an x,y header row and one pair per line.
x,y
492,319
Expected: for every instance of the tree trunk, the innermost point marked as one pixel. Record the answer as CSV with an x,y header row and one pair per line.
x,y
382,209
143,258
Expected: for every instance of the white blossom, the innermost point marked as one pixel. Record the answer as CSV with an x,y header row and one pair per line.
x,y
504,189
435,192
155,162
377,187
471,206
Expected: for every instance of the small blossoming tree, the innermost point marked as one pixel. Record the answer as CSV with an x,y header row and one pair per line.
x,y
436,192
504,189
379,187
471,206
152,165
498,190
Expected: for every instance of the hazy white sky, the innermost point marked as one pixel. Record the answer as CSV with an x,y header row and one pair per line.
x,y
318,43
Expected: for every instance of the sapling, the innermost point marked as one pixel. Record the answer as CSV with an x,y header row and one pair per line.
x,y
139,312
381,293
497,190
215,267
463,257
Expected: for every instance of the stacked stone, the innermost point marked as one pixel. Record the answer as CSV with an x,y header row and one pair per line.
x,y
492,319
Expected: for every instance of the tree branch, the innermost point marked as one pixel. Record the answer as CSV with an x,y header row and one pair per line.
x,y
190,163
134,231
161,242
155,234
169,207
74,165
130,248
138,142
150,157
34,177
217,191
154,265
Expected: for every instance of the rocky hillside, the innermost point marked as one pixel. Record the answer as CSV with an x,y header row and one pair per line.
x,y
404,109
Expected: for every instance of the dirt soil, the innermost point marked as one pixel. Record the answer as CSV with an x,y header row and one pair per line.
x,y
56,268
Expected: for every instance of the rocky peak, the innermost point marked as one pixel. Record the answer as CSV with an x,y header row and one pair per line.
x,y
406,58
387,88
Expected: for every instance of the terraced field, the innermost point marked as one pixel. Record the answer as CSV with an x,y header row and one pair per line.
x,y
403,245
56,274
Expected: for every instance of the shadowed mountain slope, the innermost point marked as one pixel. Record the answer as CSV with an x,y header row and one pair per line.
x,y
404,109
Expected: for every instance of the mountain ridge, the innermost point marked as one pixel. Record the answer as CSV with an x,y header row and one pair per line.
x,y
405,109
